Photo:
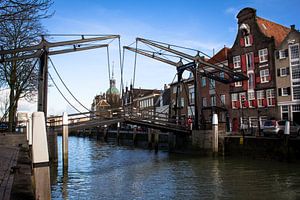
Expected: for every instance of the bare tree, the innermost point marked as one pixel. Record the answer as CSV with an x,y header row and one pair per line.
x,y
20,27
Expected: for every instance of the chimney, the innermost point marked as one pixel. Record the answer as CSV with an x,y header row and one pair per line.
x,y
293,27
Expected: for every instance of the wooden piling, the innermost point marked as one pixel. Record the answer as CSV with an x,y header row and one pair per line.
x,y
65,140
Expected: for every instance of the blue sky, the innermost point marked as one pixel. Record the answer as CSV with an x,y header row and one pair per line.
x,y
203,25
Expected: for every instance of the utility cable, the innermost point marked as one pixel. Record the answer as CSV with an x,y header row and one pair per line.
x,y
66,86
63,95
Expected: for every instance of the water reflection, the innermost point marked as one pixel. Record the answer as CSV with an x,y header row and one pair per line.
x,y
101,171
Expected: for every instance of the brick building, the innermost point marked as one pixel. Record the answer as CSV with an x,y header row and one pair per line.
x,y
288,77
253,54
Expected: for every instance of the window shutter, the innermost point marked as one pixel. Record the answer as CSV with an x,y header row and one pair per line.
x,y
251,39
287,71
231,65
277,54
242,42
244,63
256,59
286,52
278,72
289,90
279,92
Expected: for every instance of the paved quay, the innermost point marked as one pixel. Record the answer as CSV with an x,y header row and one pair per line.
x,y
15,167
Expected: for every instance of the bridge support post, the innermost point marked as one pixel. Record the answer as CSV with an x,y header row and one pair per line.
x,y
52,136
134,137
65,140
118,134
149,139
105,133
215,136
156,141
40,157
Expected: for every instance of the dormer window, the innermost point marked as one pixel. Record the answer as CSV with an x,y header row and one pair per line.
x,y
245,29
246,37
247,40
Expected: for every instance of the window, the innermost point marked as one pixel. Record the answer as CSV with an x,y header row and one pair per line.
x,y
284,71
264,76
284,92
247,41
251,95
296,92
222,75
236,62
263,55
191,111
251,81
222,97
260,97
182,102
282,54
249,61
191,95
240,97
296,108
284,112
174,89
204,102
213,100
294,49
203,81
271,97
234,99
212,84
238,84
296,72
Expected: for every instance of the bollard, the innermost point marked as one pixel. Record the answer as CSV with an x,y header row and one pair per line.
x,y
215,136
65,140
40,157
287,128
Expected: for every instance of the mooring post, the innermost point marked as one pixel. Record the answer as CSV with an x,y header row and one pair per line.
x,y
286,138
118,133
40,157
30,131
156,140
52,136
215,135
65,140
134,137
105,133
149,138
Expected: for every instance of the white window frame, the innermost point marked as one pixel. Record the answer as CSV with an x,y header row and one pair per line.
x,y
263,55
296,89
247,41
191,94
284,92
282,54
291,52
253,81
223,99
234,98
270,94
283,71
251,96
236,62
203,81
213,100
264,77
238,84
260,95
240,98
249,61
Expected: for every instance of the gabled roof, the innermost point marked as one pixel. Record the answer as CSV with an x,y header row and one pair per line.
x,y
103,103
221,56
272,29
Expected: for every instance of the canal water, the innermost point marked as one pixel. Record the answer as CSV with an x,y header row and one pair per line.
x,y
99,170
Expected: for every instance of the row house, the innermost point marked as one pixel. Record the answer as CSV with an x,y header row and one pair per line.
x,y
140,101
288,77
213,96
252,53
